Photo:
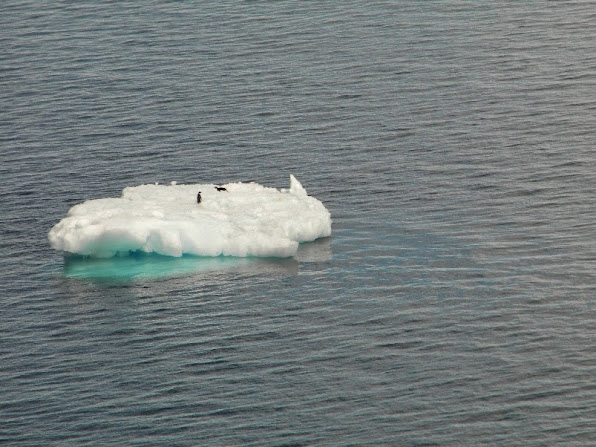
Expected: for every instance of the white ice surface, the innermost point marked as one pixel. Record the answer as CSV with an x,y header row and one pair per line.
x,y
246,220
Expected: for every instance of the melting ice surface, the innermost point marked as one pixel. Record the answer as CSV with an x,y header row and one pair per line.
x,y
246,219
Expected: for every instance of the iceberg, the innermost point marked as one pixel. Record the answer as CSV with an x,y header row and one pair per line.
x,y
236,219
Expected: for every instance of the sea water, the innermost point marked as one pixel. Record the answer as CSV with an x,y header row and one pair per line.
x,y
453,145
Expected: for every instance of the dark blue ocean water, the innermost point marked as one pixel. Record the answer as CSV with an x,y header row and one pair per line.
x,y
452,142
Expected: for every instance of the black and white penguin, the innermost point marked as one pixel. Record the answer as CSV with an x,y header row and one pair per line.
x,y
220,188
199,197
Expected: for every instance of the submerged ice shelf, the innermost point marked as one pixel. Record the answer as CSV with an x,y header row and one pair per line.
x,y
244,219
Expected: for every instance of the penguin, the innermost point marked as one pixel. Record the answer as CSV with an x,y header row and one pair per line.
x,y
220,188
199,197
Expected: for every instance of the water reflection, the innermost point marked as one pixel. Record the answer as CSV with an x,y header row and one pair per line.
x,y
316,251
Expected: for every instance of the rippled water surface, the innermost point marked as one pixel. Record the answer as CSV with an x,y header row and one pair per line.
x,y
452,142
